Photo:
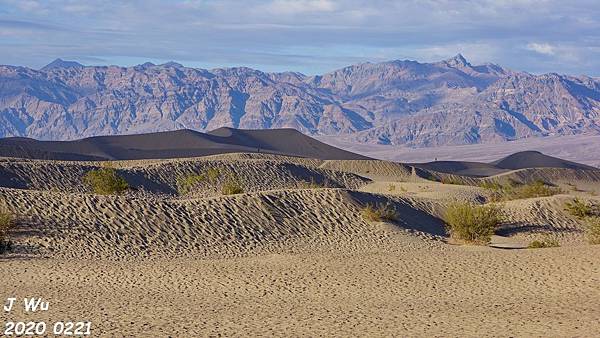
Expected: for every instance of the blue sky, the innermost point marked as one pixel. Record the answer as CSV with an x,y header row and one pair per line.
x,y
309,36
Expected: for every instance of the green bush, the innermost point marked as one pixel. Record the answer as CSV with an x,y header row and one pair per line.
x,y
232,186
579,208
379,212
185,184
472,223
7,222
213,174
593,230
106,181
535,189
515,190
491,185
545,243
391,188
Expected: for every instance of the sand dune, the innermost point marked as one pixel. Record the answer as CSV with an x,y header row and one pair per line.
x,y
293,255
89,226
371,168
276,215
520,160
535,159
160,177
175,144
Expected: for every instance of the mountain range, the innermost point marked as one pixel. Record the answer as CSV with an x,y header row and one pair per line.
x,y
450,102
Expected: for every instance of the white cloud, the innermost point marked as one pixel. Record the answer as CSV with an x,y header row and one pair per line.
x,y
542,48
311,36
300,6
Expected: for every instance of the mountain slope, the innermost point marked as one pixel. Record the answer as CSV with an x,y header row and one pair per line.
x,y
396,102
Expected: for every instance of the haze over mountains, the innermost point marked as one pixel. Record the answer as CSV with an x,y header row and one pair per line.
x,y
397,102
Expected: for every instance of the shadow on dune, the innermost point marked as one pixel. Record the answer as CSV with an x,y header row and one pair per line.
x,y
408,216
519,228
139,181
20,248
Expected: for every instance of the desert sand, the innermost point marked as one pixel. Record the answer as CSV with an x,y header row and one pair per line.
x,y
292,255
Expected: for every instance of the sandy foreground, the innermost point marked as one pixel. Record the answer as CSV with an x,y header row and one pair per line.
x,y
401,289
292,256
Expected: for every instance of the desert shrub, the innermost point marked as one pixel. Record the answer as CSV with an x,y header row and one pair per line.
x,y
515,190
231,186
593,230
186,183
472,223
7,221
491,185
579,208
379,212
105,181
391,188
545,243
213,174
535,189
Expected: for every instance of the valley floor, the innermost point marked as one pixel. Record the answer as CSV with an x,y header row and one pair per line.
x,y
578,148
403,288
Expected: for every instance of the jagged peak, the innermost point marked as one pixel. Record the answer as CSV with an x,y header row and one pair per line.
x,y
457,61
60,63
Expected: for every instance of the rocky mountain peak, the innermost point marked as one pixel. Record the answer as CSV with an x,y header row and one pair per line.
x,y
60,63
458,61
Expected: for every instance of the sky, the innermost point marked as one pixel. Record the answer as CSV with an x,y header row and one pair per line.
x,y
308,36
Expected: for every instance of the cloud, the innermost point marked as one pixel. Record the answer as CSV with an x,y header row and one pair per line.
x,y
542,48
287,7
310,36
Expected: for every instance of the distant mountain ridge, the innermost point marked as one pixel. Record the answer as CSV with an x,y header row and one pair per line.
x,y
397,102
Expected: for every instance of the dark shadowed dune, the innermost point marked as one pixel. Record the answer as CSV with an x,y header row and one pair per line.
x,y
176,144
463,168
516,161
535,159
